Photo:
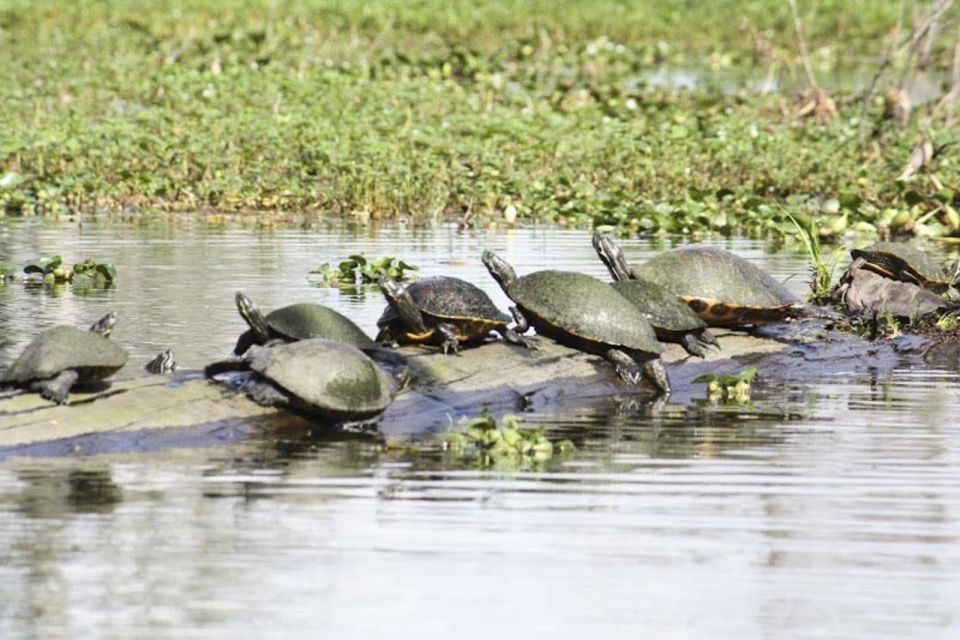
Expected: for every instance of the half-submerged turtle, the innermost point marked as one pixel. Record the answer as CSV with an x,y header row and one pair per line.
x,y
586,314
321,379
63,356
723,288
899,261
442,310
303,321
672,319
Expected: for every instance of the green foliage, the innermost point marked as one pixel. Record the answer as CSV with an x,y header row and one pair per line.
x,y
86,274
357,270
727,387
822,281
505,445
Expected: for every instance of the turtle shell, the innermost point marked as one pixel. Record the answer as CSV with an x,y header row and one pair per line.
x,y
307,320
900,261
325,377
665,310
453,301
61,348
723,288
577,308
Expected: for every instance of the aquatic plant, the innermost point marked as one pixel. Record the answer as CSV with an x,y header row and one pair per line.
x,y
728,387
507,443
357,269
85,274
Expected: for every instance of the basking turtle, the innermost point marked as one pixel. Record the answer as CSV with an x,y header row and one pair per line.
x,y
723,288
586,314
319,378
64,356
303,321
899,261
162,363
441,310
672,319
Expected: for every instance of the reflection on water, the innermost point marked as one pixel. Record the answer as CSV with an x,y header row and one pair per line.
x,y
830,510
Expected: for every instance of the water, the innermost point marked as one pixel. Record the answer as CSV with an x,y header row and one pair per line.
x,y
842,523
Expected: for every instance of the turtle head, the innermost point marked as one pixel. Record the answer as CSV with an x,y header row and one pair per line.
x,y
104,326
403,304
612,256
500,269
252,315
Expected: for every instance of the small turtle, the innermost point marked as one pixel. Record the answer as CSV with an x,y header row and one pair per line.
x,y
672,319
303,321
899,261
723,288
162,363
64,356
586,314
443,310
318,378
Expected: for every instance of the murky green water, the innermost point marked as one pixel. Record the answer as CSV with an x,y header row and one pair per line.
x,y
839,524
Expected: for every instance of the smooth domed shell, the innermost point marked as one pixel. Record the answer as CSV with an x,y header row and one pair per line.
x,y
306,320
921,264
453,298
60,348
335,377
664,308
710,273
584,307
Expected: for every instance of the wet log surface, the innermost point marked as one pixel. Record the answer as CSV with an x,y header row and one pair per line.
x,y
157,412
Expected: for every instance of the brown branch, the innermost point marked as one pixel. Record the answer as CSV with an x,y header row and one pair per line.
x,y
804,55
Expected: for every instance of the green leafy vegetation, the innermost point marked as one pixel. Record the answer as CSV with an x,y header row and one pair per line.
x,y
556,112
508,444
358,270
86,274
727,387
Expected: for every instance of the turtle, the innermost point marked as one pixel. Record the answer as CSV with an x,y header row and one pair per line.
x,y
442,310
162,363
723,288
318,378
899,261
672,319
64,356
584,313
302,321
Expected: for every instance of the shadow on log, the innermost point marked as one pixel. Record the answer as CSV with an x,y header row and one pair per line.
x,y
158,412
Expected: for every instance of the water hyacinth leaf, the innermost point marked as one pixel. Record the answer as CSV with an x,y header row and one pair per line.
x,y
44,265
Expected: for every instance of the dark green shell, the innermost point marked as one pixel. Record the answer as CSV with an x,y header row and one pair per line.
x,y
60,348
573,307
453,301
306,320
665,310
900,261
326,377
723,288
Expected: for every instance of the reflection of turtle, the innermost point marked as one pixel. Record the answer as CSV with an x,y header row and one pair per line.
x,y
162,363
320,378
441,310
64,356
723,288
902,262
671,318
586,314
301,322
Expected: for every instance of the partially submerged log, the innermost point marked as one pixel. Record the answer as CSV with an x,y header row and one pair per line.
x,y
186,409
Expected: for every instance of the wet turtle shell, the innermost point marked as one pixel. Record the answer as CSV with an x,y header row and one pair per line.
x,y
723,288
899,261
321,378
453,302
62,349
302,321
671,318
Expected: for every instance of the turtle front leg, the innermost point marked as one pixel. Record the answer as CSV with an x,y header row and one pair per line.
x,y
624,365
57,389
692,346
707,337
513,337
520,320
448,340
655,372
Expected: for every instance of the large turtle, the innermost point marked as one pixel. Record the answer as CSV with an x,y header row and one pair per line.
x,y
723,288
303,321
899,261
64,356
586,314
672,319
318,378
441,310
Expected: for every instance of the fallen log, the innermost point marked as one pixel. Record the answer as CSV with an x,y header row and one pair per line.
x,y
186,409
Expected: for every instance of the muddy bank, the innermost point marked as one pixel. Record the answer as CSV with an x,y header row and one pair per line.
x,y
157,412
